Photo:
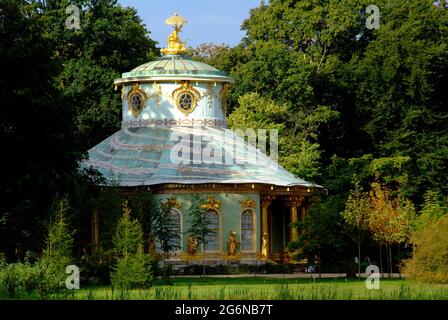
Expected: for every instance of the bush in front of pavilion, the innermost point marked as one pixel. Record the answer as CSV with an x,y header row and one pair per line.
x,y
45,277
133,267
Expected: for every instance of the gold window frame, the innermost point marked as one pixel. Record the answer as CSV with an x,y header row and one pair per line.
x,y
186,88
136,90
254,229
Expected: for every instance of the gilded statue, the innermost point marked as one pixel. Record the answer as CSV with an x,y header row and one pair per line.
x,y
264,245
175,45
232,245
192,245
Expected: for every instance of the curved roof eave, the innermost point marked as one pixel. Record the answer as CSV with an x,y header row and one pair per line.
x,y
177,77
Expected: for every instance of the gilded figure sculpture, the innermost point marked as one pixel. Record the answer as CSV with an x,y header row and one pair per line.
x,y
264,246
232,245
175,45
192,245
286,256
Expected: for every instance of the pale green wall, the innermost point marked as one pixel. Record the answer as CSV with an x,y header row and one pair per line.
x,y
230,214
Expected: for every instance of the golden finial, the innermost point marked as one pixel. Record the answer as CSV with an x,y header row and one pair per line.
x,y
175,45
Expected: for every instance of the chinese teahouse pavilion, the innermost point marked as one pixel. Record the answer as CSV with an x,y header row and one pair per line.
x,y
251,202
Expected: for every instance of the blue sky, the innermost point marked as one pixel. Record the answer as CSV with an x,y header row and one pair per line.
x,y
208,20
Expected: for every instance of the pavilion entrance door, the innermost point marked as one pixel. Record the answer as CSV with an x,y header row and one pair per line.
x,y
279,219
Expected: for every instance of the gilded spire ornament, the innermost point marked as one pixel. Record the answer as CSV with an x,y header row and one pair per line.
x,y
175,45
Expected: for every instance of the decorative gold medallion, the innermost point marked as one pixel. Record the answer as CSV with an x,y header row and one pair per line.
x,y
248,203
136,99
212,204
170,203
186,97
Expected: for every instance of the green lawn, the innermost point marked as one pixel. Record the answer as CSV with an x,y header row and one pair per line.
x,y
272,288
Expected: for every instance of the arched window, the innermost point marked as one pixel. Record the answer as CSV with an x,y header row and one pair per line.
x,y
212,219
247,230
177,227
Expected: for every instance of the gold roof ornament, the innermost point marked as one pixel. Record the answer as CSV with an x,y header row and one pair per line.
x,y
212,204
175,45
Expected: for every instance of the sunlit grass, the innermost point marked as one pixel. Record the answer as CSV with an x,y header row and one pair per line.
x,y
271,289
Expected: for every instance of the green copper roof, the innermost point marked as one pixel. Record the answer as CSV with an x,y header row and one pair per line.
x,y
176,66
141,156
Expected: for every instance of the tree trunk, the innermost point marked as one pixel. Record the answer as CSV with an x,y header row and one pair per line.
x,y
399,269
320,273
203,261
381,262
390,261
387,260
359,256
351,270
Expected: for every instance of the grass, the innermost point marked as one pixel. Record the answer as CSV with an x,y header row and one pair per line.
x,y
272,289
260,288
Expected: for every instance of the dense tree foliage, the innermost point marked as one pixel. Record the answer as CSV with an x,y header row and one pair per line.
x,y
112,40
57,101
377,97
40,152
382,90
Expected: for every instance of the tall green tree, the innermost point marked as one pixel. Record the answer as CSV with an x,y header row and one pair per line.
x,y
321,53
431,212
166,231
324,238
390,218
356,215
57,101
399,90
132,268
58,253
199,226
298,150
112,40
145,209
41,152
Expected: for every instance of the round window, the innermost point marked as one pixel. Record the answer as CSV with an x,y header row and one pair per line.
x,y
136,104
185,101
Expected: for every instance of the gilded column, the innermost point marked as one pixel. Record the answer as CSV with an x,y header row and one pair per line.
x,y
266,200
293,203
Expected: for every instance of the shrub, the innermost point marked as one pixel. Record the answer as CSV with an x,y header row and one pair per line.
x,y
3,262
429,262
96,269
46,276
57,254
18,279
238,268
132,271
133,267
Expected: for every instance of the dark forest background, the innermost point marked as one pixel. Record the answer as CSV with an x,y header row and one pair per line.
x,y
353,106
